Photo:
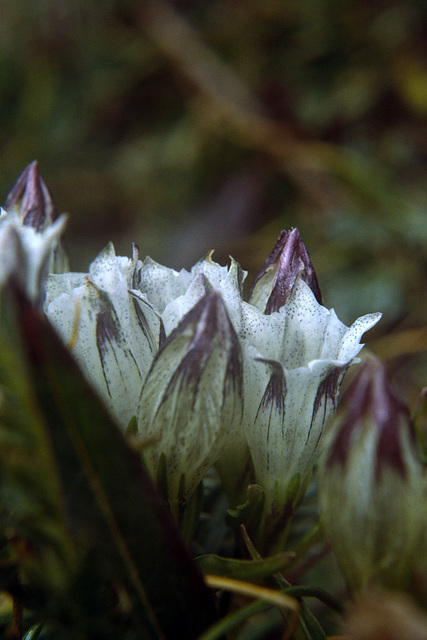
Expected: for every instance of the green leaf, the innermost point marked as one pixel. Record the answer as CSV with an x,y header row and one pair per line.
x,y
316,592
242,569
309,628
110,504
33,525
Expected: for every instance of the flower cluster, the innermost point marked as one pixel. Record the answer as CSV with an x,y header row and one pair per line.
x,y
204,375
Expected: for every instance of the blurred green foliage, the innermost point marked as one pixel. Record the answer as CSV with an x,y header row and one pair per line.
x,y
200,124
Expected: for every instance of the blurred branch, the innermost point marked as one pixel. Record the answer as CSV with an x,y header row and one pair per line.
x,y
223,97
226,103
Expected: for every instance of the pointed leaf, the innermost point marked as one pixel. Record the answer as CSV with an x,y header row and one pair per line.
x,y
111,504
243,569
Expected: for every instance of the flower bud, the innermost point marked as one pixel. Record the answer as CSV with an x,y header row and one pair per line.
x,y
191,401
30,231
371,484
31,199
288,262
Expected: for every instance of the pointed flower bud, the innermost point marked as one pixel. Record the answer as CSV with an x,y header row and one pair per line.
x,y
288,262
113,334
30,231
191,401
371,484
31,199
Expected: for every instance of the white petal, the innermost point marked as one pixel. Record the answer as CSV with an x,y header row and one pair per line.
x,y
176,310
160,284
349,346
59,283
214,272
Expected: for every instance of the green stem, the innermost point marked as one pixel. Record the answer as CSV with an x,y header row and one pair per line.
x,y
233,619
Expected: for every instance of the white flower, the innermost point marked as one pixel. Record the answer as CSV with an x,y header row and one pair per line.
x,y
113,334
134,326
296,359
115,317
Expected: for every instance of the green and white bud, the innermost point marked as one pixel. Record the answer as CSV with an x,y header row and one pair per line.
x,y
371,487
31,202
192,399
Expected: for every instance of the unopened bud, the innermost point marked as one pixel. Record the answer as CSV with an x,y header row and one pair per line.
x,y
31,199
288,262
371,484
191,401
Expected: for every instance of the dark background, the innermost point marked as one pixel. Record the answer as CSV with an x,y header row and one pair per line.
x,y
192,125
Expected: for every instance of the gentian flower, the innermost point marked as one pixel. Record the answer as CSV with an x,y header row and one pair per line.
x,y
288,261
297,353
115,319
371,484
113,334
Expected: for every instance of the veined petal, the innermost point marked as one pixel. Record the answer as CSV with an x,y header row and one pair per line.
x,y
30,204
289,422
113,336
117,275
192,398
207,276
